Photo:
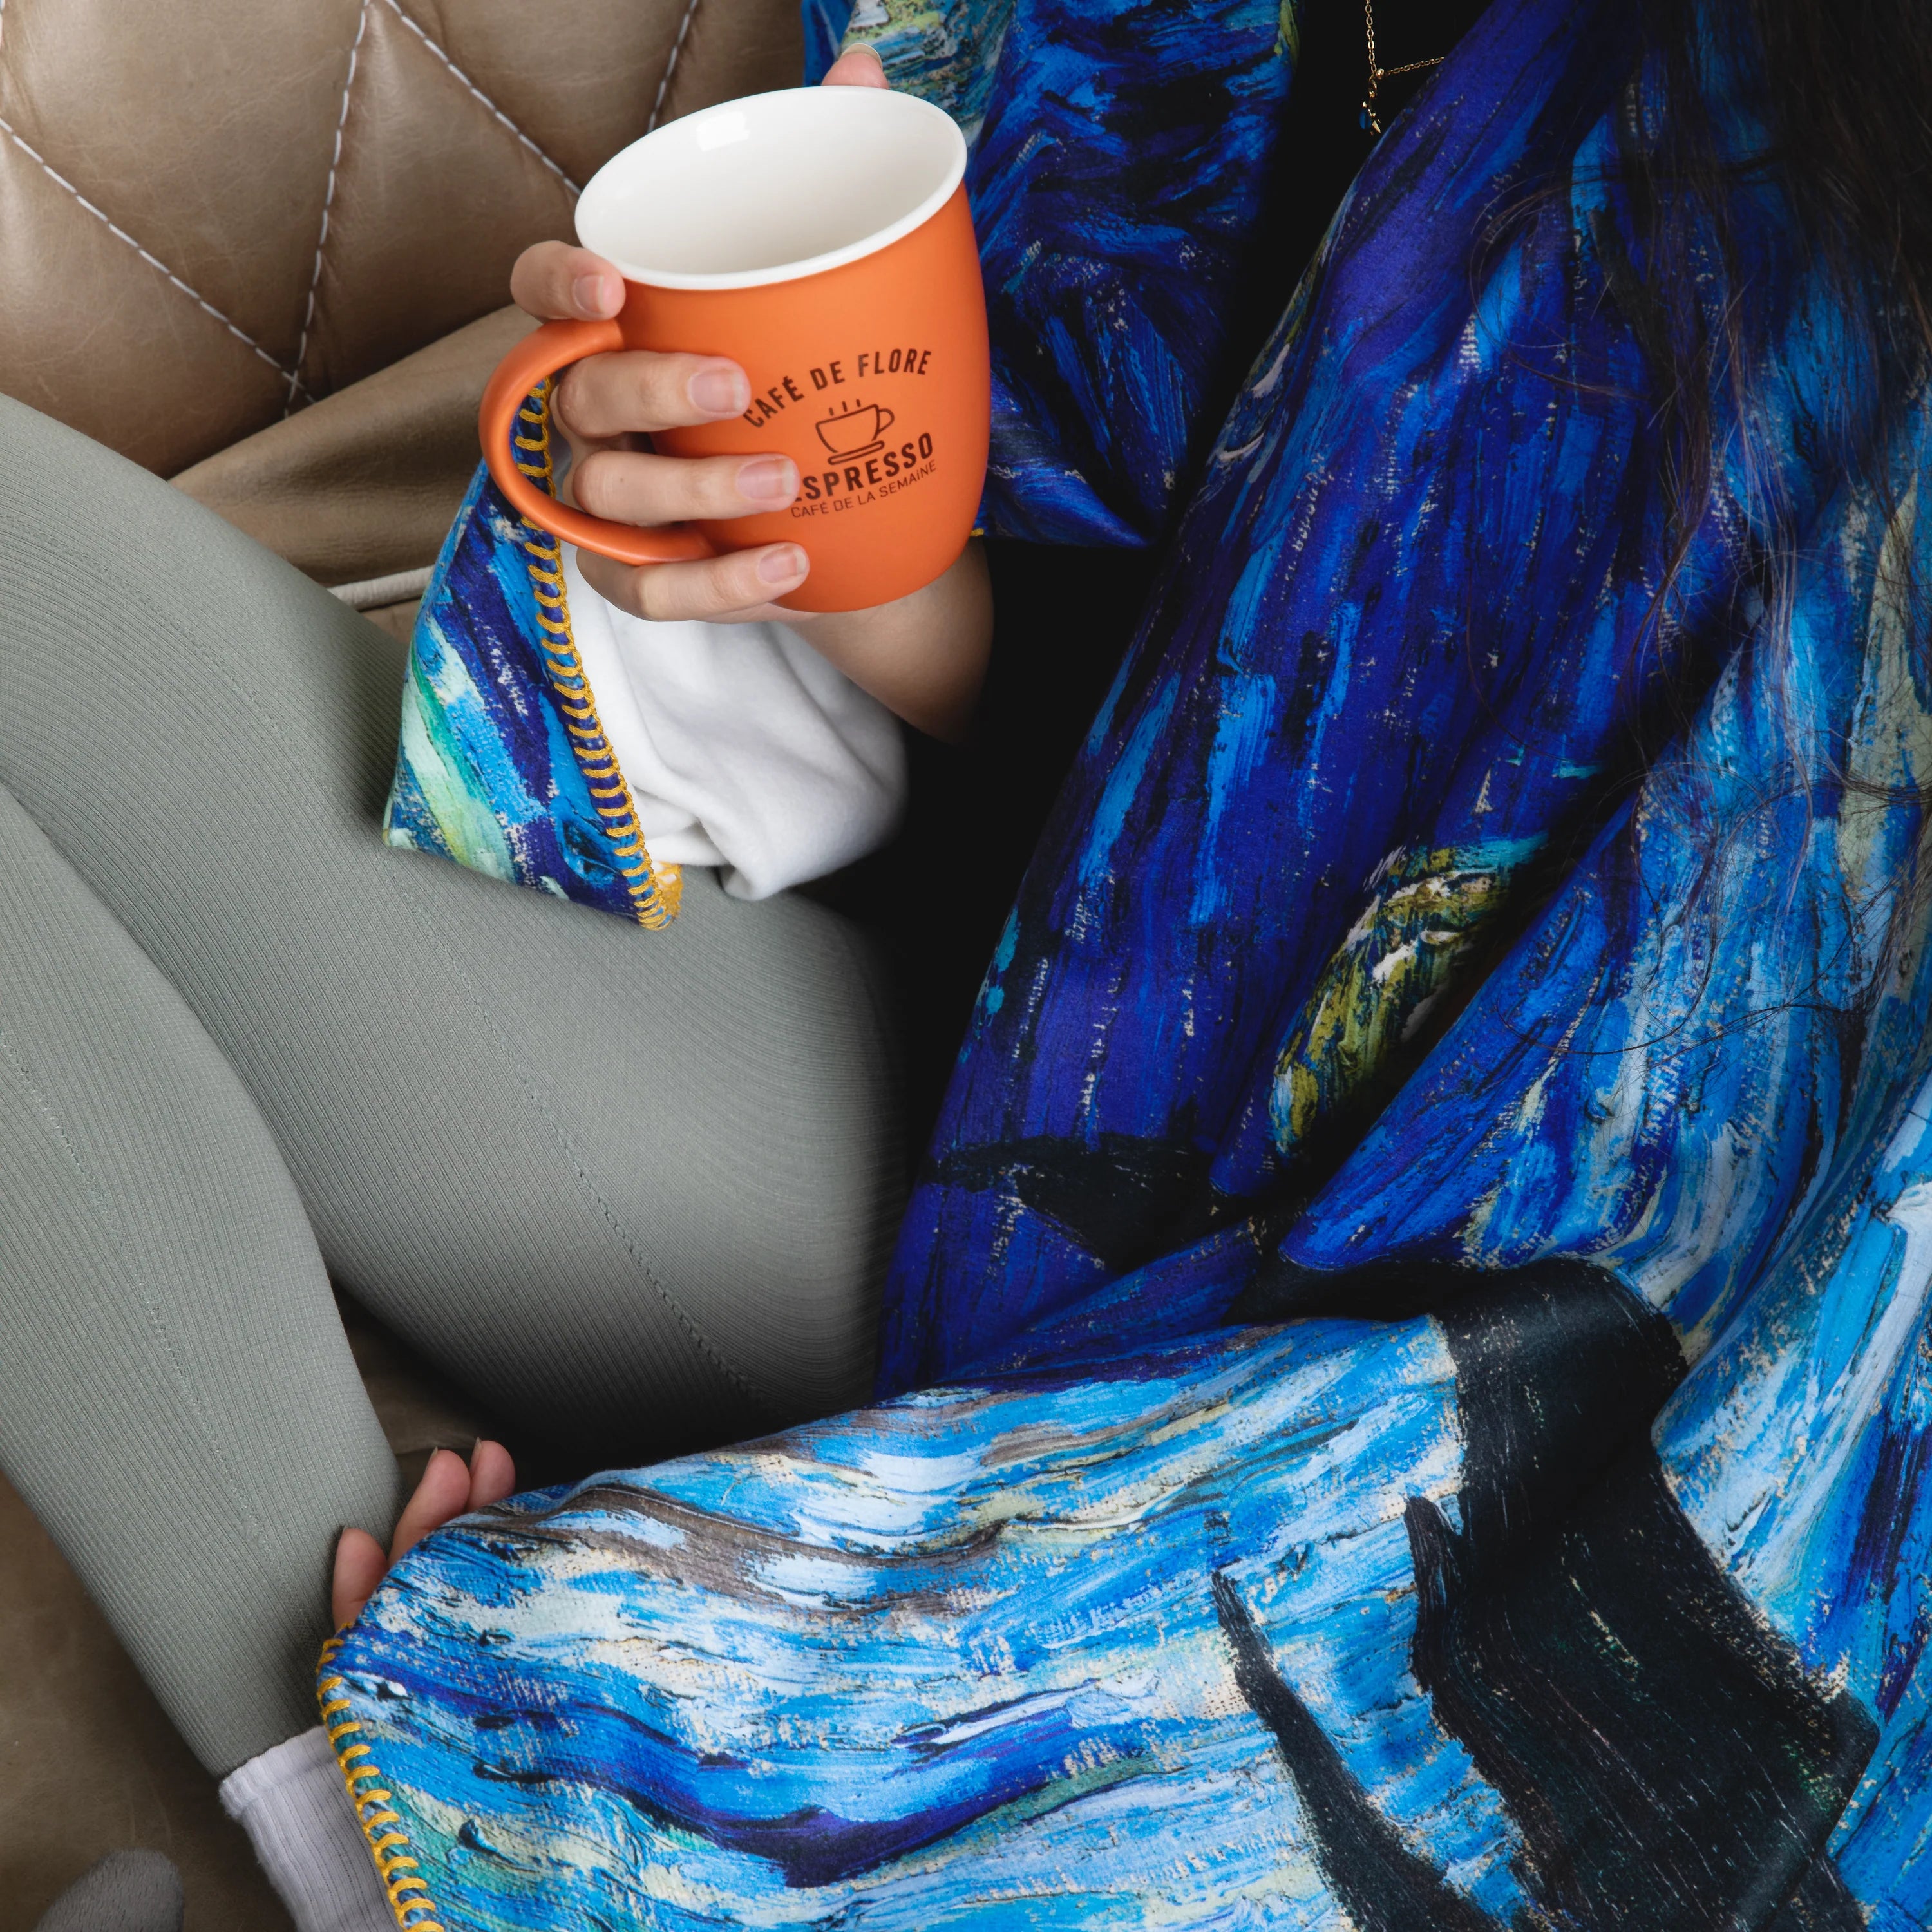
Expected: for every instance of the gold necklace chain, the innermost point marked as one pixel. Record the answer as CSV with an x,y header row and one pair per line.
x,y
1371,120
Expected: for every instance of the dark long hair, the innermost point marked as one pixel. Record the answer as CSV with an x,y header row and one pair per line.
x,y
1842,90
1839,92
1847,88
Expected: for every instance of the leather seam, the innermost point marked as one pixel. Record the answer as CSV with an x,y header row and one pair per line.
x,y
328,199
671,65
60,181
479,95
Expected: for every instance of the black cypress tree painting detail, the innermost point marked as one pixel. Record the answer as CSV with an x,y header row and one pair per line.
x,y
1669,1764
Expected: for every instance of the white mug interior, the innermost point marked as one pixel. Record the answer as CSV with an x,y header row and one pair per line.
x,y
772,187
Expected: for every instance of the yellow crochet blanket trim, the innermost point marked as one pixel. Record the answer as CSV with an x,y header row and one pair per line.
x,y
382,1824
654,890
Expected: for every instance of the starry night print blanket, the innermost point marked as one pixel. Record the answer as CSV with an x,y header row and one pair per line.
x,y
1406,1378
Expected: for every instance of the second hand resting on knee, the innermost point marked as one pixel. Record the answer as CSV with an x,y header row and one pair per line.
x,y
450,1487
923,656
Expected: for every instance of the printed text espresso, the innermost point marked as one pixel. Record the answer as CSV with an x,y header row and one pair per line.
x,y
862,462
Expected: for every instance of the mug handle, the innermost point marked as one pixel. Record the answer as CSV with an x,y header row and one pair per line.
x,y
554,346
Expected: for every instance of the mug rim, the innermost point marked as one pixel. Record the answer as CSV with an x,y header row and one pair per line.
x,y
781,271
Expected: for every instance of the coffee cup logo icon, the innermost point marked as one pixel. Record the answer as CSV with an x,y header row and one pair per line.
x,y
859,429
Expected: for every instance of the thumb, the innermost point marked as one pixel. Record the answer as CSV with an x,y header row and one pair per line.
x,y
857,67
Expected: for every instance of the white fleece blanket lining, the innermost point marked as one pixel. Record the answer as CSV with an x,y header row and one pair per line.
x,y
743,748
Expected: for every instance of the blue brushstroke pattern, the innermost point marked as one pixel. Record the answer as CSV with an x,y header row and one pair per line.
x,y
956,1649
1351,949
1119,154
485,774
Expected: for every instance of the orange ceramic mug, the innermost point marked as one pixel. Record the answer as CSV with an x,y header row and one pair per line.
x,y
820,237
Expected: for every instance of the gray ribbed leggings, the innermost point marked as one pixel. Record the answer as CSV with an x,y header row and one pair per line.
x,y
631,1189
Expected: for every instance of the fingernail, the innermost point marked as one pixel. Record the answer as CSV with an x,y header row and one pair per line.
x,y
768,479
720,392
785,564
595,296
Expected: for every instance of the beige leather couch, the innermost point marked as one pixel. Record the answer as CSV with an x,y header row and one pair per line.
x,y
261,247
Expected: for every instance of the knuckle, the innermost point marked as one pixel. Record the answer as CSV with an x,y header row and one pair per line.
x,y
564,401
575,401
678,592
601,484
656,590
702,486
737,582
673,592
586,394
662,381
618,584
538,280
618,393
644,489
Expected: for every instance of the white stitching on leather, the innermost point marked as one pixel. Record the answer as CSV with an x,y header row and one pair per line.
x,y
671,65
328,199
395,9
161,268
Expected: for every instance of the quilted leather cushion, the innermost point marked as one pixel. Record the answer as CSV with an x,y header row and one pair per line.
x,y
213,212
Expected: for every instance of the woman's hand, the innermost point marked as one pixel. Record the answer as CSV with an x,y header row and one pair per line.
x,y
923,656
607,405
450,1487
